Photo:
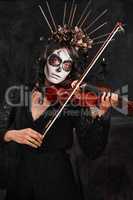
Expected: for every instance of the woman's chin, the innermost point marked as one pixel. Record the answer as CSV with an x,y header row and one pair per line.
x,y
53,81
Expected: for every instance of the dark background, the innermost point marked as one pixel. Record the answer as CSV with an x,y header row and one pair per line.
x,y
22,25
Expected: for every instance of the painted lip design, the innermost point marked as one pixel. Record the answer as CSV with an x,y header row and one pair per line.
x,y
55,76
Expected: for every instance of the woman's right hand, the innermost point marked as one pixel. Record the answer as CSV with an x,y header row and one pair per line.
x,y
26,136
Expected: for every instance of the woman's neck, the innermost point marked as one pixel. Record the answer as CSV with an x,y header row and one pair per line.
x,y
47,83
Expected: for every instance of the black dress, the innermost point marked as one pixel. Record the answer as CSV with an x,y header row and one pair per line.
x,y
46,173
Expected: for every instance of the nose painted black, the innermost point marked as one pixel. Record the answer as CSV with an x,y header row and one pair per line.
x,y
58,69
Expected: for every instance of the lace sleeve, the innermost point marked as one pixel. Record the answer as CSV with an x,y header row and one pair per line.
x,y
93,134
7,115
7,122
5,111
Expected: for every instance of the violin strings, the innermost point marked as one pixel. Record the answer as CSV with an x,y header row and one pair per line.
x,y
71,12
83,13
99,27
85,18
73,15
93,22
101,42
100,36
64,14
51,15
46,19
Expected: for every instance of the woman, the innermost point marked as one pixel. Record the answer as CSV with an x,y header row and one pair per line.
x,y
42,168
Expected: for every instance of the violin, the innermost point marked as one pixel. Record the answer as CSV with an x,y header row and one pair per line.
x,y
86,96
83,97
73,93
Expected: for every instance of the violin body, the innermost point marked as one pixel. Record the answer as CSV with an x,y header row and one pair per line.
x,y
80,98
86,96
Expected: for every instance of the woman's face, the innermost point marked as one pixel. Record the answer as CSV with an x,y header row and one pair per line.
x,y
58,66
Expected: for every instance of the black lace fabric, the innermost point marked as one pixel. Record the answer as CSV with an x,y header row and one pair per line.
x,y
93,134
5,111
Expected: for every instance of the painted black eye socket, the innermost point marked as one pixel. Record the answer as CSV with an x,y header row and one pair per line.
x,y
67,65
54,60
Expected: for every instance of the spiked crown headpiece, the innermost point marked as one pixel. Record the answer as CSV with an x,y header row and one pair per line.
x,y
74,35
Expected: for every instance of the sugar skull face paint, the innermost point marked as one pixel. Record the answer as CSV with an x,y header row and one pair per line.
x,y
58,66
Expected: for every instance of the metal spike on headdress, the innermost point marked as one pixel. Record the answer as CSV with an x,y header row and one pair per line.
x,y
93,22
99,27
101,42
64,14
74,12
46,19
100,36
85,18
83,13
51,15
70,34
71,12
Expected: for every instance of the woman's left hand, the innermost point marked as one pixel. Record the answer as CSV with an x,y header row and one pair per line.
x,y
108,100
